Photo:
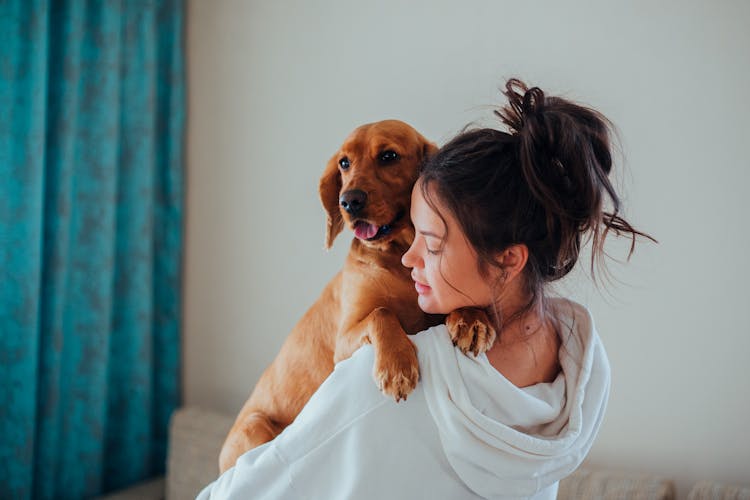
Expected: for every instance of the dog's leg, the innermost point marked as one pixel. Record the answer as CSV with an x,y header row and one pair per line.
x,y
248,432
396,368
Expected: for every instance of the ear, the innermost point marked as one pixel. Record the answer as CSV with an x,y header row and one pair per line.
x,y
513,260
329,189
428,149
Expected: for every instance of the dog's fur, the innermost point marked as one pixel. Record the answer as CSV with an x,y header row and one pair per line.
x,y
371,300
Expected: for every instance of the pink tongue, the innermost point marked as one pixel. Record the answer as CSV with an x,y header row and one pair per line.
x,y
365,231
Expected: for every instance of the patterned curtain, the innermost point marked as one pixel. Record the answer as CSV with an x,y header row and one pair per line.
x,y
91,188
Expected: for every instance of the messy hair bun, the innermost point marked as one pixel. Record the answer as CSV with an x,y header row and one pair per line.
x,y
565,157
545,184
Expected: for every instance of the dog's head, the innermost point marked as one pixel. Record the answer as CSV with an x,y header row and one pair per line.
x,y
367,183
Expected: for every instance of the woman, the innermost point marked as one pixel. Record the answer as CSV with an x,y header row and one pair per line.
x,y
497,217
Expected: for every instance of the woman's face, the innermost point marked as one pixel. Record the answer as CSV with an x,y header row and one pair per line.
x,y
444,265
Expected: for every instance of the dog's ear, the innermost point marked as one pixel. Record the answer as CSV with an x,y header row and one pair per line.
x,y
329,189
428,149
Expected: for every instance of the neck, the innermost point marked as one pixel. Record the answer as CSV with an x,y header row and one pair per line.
x,y
518,320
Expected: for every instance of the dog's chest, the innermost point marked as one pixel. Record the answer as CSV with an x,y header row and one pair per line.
x,y
373,285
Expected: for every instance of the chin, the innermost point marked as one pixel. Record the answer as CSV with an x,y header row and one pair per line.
x,y
428,306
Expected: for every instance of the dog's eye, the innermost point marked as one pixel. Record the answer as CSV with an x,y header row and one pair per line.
x,y
344,163
388,156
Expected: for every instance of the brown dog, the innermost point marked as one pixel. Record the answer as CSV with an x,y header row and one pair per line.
x,y
367,185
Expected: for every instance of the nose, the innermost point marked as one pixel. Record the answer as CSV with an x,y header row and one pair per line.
x,y
353,201
409,259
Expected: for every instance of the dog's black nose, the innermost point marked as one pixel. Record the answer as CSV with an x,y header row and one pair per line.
x,y
353,201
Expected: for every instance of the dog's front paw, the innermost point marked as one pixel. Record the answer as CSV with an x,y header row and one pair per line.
x,y
396,371
470,330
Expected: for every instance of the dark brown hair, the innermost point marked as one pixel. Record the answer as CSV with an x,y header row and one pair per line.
x,y
544,183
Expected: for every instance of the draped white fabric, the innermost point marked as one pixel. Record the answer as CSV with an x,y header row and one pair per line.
x,y
465,432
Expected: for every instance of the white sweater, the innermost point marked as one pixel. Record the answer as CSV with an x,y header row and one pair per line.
x,y
465,431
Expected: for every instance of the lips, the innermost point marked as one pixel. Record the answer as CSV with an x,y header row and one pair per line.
x,y
420,287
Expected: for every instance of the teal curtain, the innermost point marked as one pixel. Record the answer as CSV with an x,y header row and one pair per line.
x,y
92,117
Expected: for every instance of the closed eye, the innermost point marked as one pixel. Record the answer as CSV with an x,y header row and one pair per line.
x,y
438,239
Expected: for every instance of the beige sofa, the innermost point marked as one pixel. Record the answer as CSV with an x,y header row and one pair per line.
x,y
195,437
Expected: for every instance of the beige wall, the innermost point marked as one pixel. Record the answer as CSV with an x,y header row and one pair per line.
x,y
274,87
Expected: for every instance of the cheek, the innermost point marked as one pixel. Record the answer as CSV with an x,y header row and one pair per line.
x,y
443,281
461,284
434,269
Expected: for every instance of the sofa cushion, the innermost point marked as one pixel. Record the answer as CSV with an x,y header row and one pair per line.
x,y
588,484
711,490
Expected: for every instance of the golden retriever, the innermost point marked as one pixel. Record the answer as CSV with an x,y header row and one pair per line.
x,y
366,186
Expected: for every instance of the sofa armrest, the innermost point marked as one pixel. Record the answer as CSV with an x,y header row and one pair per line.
x,y
195,439
147,490
588,484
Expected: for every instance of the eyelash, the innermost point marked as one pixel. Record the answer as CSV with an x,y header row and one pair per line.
x,y
433,252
